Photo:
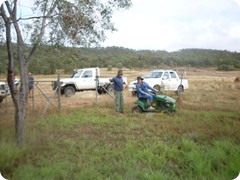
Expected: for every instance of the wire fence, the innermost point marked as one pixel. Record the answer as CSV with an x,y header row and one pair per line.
x,y
41,98
46,97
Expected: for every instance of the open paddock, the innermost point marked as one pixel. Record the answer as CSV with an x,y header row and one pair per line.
x,y
89,140
208,90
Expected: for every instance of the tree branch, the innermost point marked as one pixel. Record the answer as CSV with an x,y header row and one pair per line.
x,y
36,17
42,30
3,14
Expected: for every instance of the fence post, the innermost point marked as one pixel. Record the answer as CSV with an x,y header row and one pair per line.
x,y
6,101
97,83
59,93
33,102
180,94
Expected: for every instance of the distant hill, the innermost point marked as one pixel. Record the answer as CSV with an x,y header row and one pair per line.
x,y
48,58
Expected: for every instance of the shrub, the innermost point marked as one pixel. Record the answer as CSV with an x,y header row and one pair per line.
x,y
109,68
225,67
119,66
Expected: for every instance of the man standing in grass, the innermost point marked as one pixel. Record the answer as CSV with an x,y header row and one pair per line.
x,y
30,85
118,92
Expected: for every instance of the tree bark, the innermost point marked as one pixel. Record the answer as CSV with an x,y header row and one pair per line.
x,y
19,96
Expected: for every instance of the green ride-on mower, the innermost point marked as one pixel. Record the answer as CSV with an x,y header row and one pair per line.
x,y
161,104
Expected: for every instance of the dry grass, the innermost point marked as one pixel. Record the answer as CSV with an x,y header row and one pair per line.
x,y
200,142
208,90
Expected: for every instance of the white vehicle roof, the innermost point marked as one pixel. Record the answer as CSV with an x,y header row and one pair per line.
x,y
88,69
1,82
158,70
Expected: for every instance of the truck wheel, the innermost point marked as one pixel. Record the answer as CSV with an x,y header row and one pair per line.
x,y
134,93
157,87
69,91
166,112
99,91
136,109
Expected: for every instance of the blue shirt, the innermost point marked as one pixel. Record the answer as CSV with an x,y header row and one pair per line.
x,y
142,89
31,81
118,83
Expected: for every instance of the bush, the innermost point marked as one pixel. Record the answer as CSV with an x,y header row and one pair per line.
x,y
237,65
225,67
119,66
109,68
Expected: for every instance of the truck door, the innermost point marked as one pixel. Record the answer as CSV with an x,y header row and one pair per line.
x,y
174,81
166,80
87,80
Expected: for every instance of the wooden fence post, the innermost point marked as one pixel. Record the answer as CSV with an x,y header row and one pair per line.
x,y
59,93
33,102
180,94
6,101
97,83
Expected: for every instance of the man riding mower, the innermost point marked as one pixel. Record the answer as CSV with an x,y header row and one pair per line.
x,y
150,102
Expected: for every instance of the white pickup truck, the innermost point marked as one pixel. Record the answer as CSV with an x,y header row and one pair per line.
x,y
162,80
85,79
4,90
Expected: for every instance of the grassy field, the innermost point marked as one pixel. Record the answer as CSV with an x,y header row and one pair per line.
x,y
90,141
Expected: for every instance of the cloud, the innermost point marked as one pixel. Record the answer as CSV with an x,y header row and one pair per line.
x,y
174,24
238,2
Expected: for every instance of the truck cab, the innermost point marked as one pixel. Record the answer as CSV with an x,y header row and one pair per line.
x,y
84,79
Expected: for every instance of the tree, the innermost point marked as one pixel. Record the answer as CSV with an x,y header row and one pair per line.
x,y
56,22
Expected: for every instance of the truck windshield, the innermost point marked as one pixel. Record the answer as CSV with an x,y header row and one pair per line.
x,y
153,75
76,74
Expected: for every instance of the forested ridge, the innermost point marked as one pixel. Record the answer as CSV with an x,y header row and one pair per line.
x,y
49,58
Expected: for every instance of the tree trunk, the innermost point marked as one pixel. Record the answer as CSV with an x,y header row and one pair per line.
x,y
1,98
19,96
20,116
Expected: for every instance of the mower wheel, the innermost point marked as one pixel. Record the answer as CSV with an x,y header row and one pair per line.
x,y
136,109
166,112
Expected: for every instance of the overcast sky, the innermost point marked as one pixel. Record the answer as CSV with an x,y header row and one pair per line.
x,y
176,24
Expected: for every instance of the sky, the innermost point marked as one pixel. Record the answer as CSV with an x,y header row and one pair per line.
x,y
175,24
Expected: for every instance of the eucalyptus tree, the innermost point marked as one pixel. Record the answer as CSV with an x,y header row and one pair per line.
x,y
54,22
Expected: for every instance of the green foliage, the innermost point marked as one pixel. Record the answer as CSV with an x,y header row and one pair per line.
x,y
119,66
237,65
109,68
96,143
11,152
49,58
80,23
225,67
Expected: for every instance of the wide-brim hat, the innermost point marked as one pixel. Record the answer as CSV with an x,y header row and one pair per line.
x,y
139,78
